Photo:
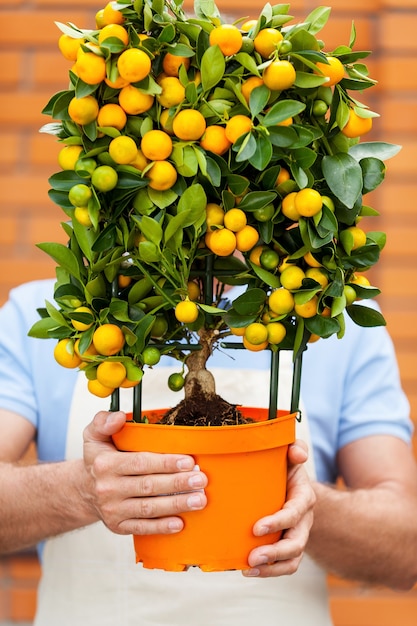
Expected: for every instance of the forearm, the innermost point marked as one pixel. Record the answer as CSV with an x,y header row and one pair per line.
x,y
365,534
41,501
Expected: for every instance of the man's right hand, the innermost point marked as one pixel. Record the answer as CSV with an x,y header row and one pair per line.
x,y
138,493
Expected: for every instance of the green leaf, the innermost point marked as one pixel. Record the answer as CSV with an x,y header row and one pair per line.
x,y
282,110
263,153
377,149
322,326
213,67
41,328
63,256
249,302
258,100
272,280
149,252
248,62
343,174
257,200
365,316
193,201
373,172
212,310
151,229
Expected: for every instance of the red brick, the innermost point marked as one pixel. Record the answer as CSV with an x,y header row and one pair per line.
x,y
374,611
24,191
9,154
40,29
50,69
23,604
10,68
42,229
398,73
25,568
8,230
398,31
398,113
24,109
43,150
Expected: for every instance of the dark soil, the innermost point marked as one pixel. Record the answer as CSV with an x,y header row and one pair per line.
x,y
202,411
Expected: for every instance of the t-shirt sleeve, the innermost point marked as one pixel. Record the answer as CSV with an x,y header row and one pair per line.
x,y
17,388
374,402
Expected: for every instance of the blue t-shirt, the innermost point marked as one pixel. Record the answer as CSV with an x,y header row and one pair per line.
x,y
350,387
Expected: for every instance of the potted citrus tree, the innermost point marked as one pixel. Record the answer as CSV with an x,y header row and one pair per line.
x,y
198,155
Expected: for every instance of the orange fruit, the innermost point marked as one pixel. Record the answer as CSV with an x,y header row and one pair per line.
x,y
308,202
249,85
281,301
266,41
221,241
189,125
307,309
235,219
256,333
334,71
186,311
111,373
246,238
82,325
279,75
69,46
276,332
173,92
156,145
215,140
292,277
83,110
356,125
171,64
123,149
112,15
214,215
91,68
65,354
254,347
134,65
237,126
134,101
68,157
108,339
228,37
162,175
288,207
97,389
112,115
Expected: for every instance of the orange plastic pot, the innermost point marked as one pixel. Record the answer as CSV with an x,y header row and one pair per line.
x,y
246,466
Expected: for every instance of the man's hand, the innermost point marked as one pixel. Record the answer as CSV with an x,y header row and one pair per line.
x,y
295,519
131,491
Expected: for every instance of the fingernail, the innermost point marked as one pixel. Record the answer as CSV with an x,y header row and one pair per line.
x,y
252,572
175,526
194,502
195,481
264,530
262,559
185,464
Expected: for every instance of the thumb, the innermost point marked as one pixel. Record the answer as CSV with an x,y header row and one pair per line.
x,y
298,452
104,425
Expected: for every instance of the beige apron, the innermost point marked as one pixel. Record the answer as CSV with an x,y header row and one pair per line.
x,y
89,576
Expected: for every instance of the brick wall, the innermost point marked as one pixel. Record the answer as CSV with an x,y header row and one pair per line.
x,y
31,69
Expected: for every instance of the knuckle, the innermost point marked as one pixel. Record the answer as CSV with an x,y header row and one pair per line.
x,y
146,508
147,486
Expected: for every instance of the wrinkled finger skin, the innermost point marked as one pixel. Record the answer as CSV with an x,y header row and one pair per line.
x,y
138,493
294,520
